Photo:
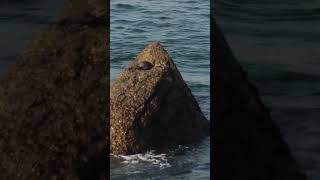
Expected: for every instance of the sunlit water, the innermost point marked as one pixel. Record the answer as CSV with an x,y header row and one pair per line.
x,y
182,26
277,42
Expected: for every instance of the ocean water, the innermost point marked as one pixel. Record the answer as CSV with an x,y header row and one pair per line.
x,y
183,28
277,42
19,20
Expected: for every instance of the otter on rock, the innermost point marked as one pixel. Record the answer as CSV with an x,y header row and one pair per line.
x,y
153,109
144,65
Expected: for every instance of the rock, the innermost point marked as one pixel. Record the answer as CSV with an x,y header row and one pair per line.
x,y
54,105
247,143
153,108
84,11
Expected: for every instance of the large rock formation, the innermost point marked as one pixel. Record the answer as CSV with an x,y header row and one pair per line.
x,y
247,143
54,100
152,107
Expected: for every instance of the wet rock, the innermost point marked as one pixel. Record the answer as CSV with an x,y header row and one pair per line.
x,y
247,143
54,105
153,108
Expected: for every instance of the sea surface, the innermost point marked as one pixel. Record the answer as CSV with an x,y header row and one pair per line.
x,y
183,28
278,43
19,20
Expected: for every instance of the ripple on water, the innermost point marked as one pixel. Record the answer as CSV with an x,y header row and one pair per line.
x,y
277,43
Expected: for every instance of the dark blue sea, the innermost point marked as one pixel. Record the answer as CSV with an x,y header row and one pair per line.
x,y
183,28
19,20
278,43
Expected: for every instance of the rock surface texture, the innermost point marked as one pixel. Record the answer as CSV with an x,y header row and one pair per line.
x,y
247,143
54,101
151,106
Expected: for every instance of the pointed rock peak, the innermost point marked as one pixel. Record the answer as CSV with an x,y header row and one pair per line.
x,y
155,54
152,107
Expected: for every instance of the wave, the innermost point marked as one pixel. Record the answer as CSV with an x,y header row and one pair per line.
x,y
285,76
124,6
26,18
160,160
268,10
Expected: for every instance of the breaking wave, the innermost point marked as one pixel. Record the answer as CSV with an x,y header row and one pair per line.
x,y
150,157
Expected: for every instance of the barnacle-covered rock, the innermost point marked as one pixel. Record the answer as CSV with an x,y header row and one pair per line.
x,y
152,107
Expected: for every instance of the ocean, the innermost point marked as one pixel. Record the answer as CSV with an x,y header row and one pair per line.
x,y
19,20
183,28
277,43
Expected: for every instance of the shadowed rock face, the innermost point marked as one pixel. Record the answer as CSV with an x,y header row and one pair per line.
x,y
84,12
54,103
152,107
247,143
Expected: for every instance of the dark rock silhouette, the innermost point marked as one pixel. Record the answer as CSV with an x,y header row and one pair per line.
x,y
54,101
247,143
152,107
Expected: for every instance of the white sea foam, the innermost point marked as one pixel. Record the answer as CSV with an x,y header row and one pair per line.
x,y
160,160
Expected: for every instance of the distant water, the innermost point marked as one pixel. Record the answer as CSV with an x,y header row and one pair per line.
x,y
19,19
278,43
183,27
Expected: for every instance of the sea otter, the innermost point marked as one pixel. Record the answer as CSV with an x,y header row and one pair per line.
x,y
151,106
